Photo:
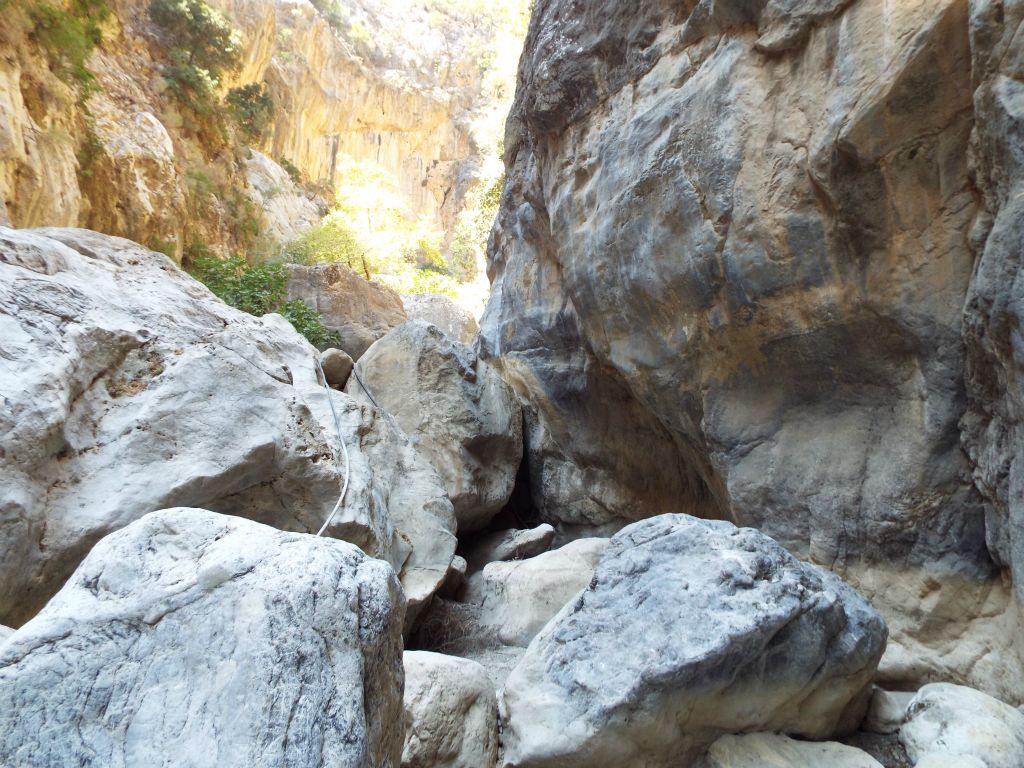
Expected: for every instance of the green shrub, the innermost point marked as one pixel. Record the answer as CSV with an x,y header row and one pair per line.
x,y
68,36
257,290
291,169
203,46
252,109
306,321
201,33
432,281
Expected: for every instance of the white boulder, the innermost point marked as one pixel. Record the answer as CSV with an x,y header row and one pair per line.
x,y
128,387
447,314
195,639
457,409
517,598
773,750
690,629
964,723
886,711
451,713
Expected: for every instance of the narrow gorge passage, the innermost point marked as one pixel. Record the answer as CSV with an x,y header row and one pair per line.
x,y
550,384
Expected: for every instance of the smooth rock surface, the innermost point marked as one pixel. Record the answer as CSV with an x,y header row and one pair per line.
x,y
5,632
451,713
513,544
516,599
448,315
887,710
689,630
195,639
115,362
960,721
773,750
337,367
289,211
946,760
456,409
358,310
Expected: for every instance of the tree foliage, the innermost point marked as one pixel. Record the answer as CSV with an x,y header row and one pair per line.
x,y
252,109
68,34
258,290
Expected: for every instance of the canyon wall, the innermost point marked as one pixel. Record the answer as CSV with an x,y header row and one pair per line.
x,y
128,160
729,277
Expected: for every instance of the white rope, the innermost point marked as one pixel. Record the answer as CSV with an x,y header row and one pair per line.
x,y
344,450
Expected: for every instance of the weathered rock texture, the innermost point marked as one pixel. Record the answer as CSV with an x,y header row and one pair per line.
x,y
358,310
128,387
191,638
952,720
690,629
456,409
730,270
451,714
513,544
994,425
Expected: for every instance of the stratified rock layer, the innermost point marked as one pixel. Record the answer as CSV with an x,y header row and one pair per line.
x,y
201,640
688,630
128,387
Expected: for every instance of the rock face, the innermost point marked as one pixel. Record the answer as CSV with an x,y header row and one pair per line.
x,y
437,309
739,237
887,711
952,720
516,599
115,363
191,638
690,629
994,424
451,714
359,311
773,750
737,245
289,213
457,410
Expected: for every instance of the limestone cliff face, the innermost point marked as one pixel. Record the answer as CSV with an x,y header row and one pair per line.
x,y
350,90
730,271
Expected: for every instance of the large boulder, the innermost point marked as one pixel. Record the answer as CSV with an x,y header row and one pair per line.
x,y
457,409
447,314
690,630
955,721
128,387
358,310
511,544
517,598
773,750
451,713
195,639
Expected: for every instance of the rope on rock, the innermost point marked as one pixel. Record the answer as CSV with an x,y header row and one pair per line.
x,y
356,374
344,449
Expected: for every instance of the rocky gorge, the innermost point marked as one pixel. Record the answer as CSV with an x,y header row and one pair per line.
x,y
725,476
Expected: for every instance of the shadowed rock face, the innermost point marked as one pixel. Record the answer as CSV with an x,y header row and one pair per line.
x,y
730,267
993,432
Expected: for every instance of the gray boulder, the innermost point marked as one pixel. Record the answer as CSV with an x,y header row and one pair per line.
x,y
128,387
690,630
456,409
195,639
